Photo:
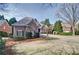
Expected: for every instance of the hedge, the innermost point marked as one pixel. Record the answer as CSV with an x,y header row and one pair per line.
x,y
36,34
2,46
3,34
77,32
28,34
19,38
65,33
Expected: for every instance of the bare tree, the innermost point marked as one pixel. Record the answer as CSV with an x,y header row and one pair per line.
x,y
69,13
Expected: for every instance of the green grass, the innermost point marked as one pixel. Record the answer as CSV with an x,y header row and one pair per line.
x,y
66,33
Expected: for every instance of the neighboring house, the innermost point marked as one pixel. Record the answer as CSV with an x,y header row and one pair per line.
x,y
4,26
27,24
45,28
77,26
66,27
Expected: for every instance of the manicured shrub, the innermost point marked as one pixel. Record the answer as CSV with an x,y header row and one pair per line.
x,y
66,33
28,34
3,34
36,34
19,38
11,35
77,32
2,46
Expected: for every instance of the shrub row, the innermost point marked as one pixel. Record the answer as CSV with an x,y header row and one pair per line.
x,y
77,32
69,33
36,34
28,36
2,46
65,33
3,34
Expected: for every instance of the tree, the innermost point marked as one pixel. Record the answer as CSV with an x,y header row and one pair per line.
x,y
12,21
42,22
58,27
70,14
2,17
78,27
6,20
48,5
46,24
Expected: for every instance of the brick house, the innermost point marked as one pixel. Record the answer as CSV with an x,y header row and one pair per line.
x,y
4,26
66,27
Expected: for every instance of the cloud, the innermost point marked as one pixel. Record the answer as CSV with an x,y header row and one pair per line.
x,y
36,10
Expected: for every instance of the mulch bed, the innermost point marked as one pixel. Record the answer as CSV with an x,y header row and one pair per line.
x,y
8,45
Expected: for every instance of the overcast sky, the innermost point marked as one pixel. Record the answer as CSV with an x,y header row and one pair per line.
x,y
38,11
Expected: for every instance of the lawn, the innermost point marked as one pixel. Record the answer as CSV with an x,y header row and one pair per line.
x,y
55,45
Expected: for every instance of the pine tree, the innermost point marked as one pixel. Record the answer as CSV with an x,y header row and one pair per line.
x,y
47,22
12,21
2,17
58,27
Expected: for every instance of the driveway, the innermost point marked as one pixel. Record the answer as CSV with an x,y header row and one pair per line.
x,y
55,45
62,37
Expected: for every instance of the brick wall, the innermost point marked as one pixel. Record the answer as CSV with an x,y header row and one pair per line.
x,y
5,28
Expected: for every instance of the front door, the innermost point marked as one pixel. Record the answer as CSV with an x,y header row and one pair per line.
x,y
39,30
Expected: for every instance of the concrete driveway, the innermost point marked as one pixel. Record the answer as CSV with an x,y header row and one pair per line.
x,y
63,45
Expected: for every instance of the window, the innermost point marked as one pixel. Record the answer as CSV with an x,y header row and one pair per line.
x,y
20,33
38,30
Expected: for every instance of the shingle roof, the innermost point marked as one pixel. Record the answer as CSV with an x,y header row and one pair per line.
x,y
24,22
2,21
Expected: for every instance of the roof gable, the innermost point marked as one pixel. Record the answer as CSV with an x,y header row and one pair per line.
x,y
2,22
25,21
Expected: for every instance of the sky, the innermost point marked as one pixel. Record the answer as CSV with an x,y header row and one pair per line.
x,y
40,11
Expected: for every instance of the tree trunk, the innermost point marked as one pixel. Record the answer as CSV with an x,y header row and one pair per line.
x,y
73,30
47,34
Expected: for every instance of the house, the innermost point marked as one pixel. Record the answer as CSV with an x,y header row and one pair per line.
x,y
4,26
66,27
77,26
27,24
45,28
